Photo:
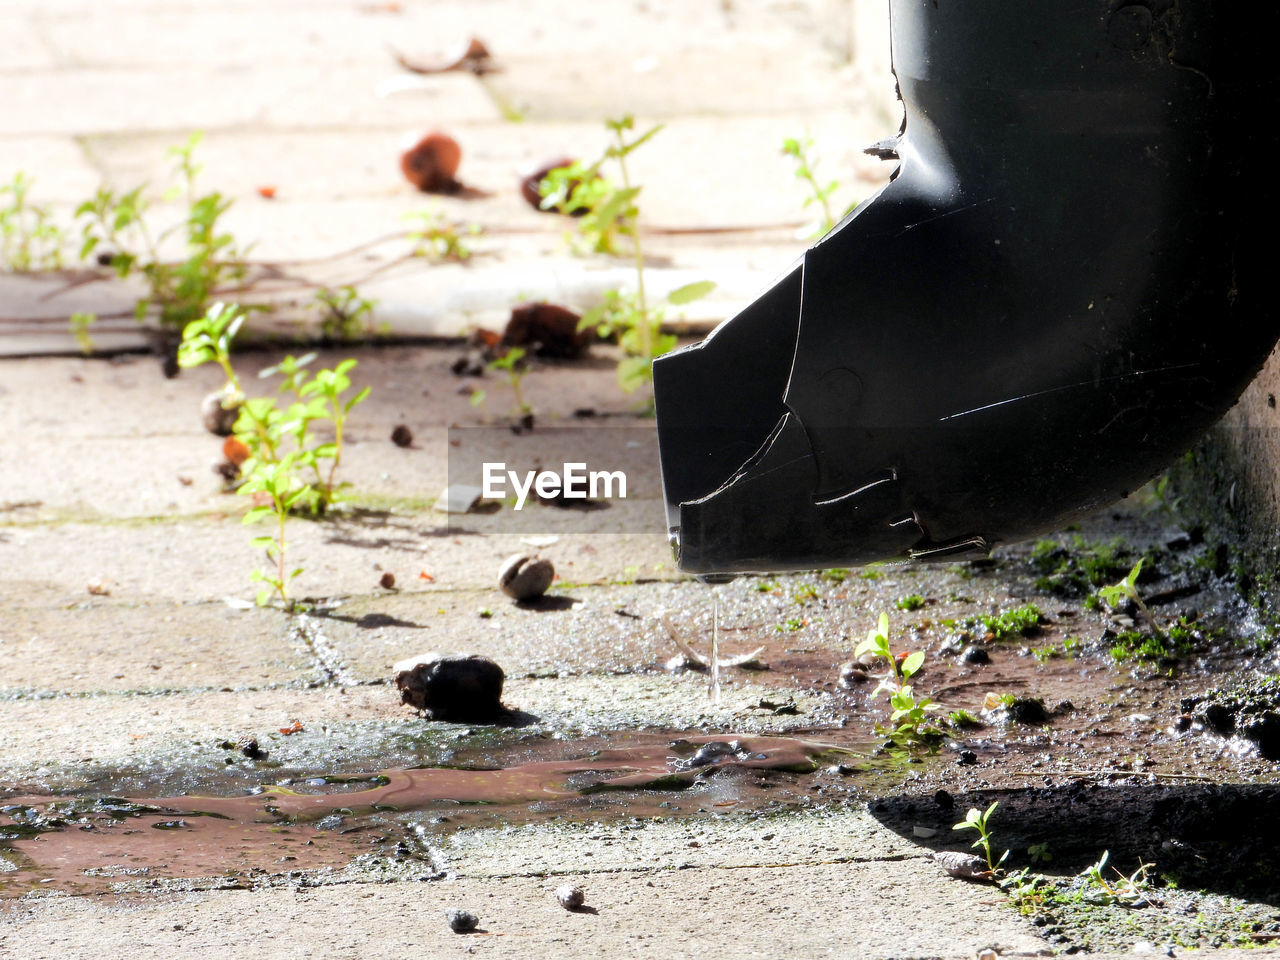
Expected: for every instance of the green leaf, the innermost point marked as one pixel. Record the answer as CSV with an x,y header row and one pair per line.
x,y
912,663
358,398
256,514
690,292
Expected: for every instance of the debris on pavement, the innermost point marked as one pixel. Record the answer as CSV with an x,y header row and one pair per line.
x,y
962,866
461,921
431,162
525,577
451,687
547,330
570,897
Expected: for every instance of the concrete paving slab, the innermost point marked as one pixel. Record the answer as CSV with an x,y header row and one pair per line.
x,y
868,910
146,648
211,561
62,174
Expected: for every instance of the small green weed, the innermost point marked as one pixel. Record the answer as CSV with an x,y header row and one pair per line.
x,y
767,585
804,593
912,601
978,820
611,215
1078,569
281,444
440,240
1127,589
910,724
1017,622
1127,890
835,575
801,150
179,292
344,314
1039,853
29,239
791,624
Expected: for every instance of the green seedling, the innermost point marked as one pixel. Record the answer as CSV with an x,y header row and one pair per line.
x,y
279,484
29,239
912,601
1078,568
513,366
909,723
835,575
978,820
1123,889
1039,853
440,240
1127,589
208,340
804,593
610,214
344,314
177,292
1015,622
802,152
80,324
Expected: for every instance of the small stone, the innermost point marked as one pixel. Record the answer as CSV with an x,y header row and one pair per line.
x,y
972,654
963,866
470,364
455,688
525,577
218,415
852,674
99,587
387,581
967,758
461,921
570,897
249,747
402,436
924,833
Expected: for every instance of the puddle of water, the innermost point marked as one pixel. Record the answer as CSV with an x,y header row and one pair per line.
x,y
83,845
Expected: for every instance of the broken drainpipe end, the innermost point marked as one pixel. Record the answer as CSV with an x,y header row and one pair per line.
x,y
1056,293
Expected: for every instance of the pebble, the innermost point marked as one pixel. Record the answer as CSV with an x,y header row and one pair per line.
x,y
217,419
963,866
461,921
570,897
972,654
525,577
852,674
401,435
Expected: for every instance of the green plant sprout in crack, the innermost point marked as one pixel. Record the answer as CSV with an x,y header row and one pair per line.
x,y
440,240
29,239
978,820
179,292
1127,589
801,151
513,365
344,314
279,439
609,214
278,482
909,723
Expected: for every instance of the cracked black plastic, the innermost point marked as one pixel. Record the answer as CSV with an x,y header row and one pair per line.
x,y
1050,300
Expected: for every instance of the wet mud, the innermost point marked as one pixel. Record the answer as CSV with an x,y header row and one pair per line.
x,y
82,845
